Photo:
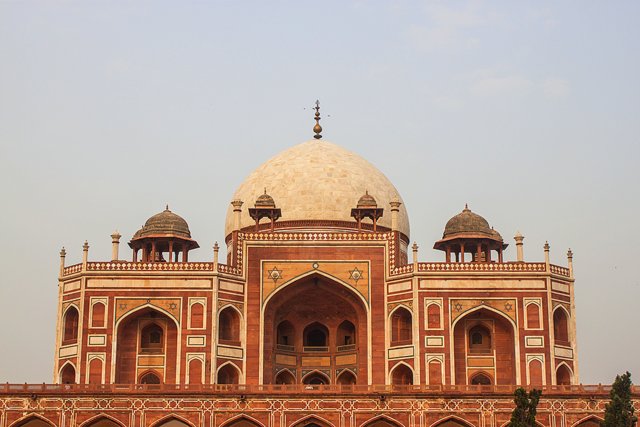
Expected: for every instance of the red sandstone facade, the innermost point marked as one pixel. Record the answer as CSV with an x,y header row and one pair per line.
x,y
311,321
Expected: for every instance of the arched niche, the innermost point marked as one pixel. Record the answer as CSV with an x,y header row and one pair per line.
x,y
150,377
316,378
102,421
402,374
229,326
285,377
481,378
564,375
479,337
382,421
561,326
242,421
68,374
591,421
315,335
172,422
70,325
346,377
452,422
33,421
286,335
346,334
228,374
401,326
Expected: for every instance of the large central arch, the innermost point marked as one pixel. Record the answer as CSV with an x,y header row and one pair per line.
x,y
315,324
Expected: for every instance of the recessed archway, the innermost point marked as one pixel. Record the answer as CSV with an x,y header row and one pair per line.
x,y
228,374
326,314
33,420
402,374
564,375
316,378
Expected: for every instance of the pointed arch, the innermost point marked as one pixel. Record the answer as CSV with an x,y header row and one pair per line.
x,y
67,373
561,333
296,279
229,325
285,377
401,325
242,421
588,421
564,374
347,377
33,420
381,421
481,378
70,324
401,374
312,419
316,375
102,420
315,334
149,377
173,420
452,421
98,314
231,374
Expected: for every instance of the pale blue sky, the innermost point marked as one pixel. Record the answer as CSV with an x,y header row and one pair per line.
x,y
528,111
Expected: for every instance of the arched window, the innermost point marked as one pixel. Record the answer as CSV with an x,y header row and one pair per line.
x,y
316,335
285,377
70,334
152,339
150,378
286,336
346,378
315,378
68,374
433,316
228,374
197,316
95,371
563,375
229,327
97,315
533,316
481,379
402,375
401,327
479,339
561,326
346,335
195,371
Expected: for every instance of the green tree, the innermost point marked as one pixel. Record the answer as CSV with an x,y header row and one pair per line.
x,y
524,414
619,412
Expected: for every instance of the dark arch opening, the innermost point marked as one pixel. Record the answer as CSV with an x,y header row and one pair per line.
x,y
285,377
401,332
479,339
173,422
316,335
152,339
68,374
35,422
104,422
70,331
346,378
346,334
242,422
481,379
563,375
316,378
228,374
402,375
286,335
150,378
229,327
561,326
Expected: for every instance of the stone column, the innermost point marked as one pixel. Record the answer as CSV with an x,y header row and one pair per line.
x,y
237,211
519,246
569,261
63,254
115,245
395,212
85,255
216,248
546,254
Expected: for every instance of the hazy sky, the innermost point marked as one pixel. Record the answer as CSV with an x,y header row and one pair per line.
x,y
528,111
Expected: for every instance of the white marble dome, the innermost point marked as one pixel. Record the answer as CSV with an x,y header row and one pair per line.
x,y
317,180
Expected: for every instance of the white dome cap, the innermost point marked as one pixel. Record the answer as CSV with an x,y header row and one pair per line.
x,y
317,180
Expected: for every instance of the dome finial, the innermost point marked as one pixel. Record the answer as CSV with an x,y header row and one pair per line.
x,y
166,208
466,206
317,129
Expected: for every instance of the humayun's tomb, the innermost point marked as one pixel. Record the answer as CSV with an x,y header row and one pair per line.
x,y
322,315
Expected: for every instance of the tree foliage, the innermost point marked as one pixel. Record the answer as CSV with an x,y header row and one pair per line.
x,y
619,412
524,414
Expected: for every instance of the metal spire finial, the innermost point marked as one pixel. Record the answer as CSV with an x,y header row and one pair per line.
x,y
317,129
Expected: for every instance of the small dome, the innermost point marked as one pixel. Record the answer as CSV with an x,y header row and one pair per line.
x,y
265,201
164,223
367,201
467,222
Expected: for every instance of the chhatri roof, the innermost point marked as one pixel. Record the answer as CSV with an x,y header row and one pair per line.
x,y
318,180
165,223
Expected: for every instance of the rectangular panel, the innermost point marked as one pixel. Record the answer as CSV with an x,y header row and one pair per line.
x,y
560,287
196,340
534,342
482,284
316,361
480,362
149,283
402,352
97,340
434,341
233,287
151,360
230,352
71,286
347,359
567,353
69,351
285,359
397,287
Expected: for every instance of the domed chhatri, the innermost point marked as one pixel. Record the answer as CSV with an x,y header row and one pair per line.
x,y
265,207
367,201
367,208
468,232
163,232
318,182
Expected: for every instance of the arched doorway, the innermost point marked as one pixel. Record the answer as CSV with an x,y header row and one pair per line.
x,y
172,422
68,374
146,342
484,342
228,374
563,375
285,378
315,378
34,421
330,326
346,378
481,378
382,422
589,422
561,326
452,422
401,375
103,422
242,422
